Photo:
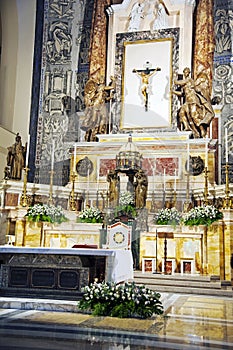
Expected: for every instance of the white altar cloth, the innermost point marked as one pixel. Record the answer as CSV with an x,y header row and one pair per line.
x,y
119,263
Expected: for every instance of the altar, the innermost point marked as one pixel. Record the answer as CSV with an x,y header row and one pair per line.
x,y
43,272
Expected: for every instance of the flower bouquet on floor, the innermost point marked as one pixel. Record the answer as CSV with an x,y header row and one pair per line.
x,y
202,215
90,215
46,213
120,300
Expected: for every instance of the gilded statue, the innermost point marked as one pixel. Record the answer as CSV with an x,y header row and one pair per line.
x,y
145,75
141,184
96,94
114,187
16,158
196,113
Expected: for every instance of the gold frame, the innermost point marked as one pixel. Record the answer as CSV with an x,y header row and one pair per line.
x,y
163,80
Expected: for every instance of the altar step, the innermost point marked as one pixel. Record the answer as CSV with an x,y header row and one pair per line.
x,y
186,283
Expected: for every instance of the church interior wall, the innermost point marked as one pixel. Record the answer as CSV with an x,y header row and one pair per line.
x,y
17,42
7,137
8,68
25,53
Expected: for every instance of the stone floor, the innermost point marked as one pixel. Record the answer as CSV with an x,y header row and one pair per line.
x,y
189,322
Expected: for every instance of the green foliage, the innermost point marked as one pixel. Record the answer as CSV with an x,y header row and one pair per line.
x,y
124,300
47,213
126,205
90,215
168,216
128,210
203,215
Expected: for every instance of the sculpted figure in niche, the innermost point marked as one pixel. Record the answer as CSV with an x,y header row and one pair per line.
x,y
141,184
161,17
16,158
114,187
136,16
196,112
96,94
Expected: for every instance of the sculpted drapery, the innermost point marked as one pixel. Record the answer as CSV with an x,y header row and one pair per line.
x,y
204,40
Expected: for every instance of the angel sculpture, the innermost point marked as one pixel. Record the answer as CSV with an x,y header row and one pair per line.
x,y
196,113
96,94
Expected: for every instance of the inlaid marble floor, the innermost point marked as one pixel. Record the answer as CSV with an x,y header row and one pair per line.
x,y
189,322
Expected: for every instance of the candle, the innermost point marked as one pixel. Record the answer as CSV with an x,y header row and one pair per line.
x,y
88,180
164,179
98,177
153,179
226,144
175,180
52,157
75,155
27,154
188,156
206,153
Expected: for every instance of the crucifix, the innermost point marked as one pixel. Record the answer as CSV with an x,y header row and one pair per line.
x,y
145,74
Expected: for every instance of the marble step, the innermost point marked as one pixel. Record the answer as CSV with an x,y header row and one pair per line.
x,y
179,283
176,276
189,290
190,284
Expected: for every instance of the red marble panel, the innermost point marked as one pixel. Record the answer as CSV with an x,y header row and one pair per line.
x,y
11,199
148,265
187,266
215,122
169,267
106,165
148,165
169,164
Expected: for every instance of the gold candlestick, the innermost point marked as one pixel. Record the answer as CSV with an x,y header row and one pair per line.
x,y
24,200
72,193
153,202
206,192
227,200
50,201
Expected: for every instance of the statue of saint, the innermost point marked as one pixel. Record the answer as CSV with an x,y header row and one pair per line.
x,y
145,75
161,17
136,16
16,158
96,94
141,185
114,187
196,112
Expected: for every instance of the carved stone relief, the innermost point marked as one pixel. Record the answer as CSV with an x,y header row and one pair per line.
x,y
64,73
222,82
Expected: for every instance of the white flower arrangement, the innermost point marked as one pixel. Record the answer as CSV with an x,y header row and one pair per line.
x,y
120,300
168,216
46,212
91,215
126,205
202,215
126,198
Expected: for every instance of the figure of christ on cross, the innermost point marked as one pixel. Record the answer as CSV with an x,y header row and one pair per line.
x,y
145,74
